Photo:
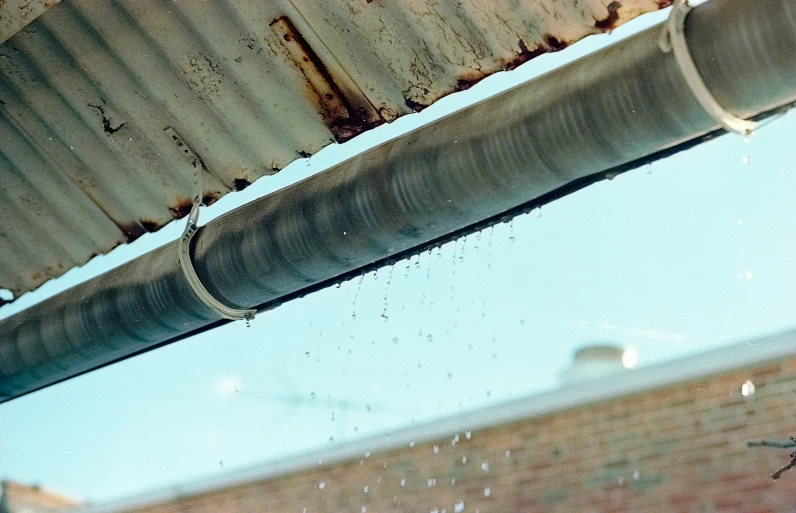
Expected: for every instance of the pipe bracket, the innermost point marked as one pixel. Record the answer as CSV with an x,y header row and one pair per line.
x,y
183,248
673,40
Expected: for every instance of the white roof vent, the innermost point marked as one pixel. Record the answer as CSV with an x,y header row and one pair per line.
x,y
596,361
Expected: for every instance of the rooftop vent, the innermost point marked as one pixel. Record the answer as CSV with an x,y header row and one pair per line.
x,y
596,361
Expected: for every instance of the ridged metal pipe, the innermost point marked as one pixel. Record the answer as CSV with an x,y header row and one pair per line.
x,y
598,116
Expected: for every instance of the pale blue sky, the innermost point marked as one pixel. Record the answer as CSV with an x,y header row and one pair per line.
x,y
691,253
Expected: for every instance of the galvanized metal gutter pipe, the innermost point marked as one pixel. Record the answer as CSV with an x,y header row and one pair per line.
x,y
597,116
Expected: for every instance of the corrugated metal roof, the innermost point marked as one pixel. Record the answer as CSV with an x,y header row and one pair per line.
x,y
108,109
15,14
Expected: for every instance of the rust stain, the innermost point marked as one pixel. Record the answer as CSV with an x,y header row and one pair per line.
x,y
524,56
609,23
345,117
131,231
554,44
468,80
472,77
181,208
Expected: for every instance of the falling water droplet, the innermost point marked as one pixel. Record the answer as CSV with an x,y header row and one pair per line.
x,y
356,295
459,506
436,449
746,159
485,466
487,492
648,168
367,454
468,434
386,292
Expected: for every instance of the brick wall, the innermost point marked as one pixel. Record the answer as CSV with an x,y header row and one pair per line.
x,y
680,448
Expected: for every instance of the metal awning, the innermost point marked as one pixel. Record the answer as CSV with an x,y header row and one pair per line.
x,y
108,109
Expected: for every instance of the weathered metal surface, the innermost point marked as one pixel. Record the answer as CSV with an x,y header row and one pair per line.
x,y
508,154
15,14
107,109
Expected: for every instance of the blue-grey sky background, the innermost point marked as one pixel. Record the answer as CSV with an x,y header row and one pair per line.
x,y
691,253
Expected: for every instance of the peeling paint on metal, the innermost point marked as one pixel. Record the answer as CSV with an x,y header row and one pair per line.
x,y
108,110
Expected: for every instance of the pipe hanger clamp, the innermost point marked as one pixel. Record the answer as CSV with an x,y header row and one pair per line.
x,y
673,40
184,247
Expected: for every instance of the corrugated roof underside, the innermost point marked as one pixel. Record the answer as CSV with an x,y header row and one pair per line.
x,y
110,111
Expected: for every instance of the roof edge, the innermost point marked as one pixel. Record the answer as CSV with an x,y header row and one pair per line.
x,y
710,363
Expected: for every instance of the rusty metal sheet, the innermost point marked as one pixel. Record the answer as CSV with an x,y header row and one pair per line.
x,y
109,109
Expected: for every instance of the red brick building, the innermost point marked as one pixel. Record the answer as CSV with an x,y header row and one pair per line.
x,y
667,438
